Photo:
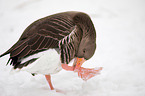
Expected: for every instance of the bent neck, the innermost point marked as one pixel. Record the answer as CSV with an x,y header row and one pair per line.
x,y
85,23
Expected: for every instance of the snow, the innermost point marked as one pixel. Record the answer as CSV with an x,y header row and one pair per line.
x,y
120,26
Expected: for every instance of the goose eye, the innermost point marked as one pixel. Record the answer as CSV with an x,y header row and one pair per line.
x,y
84,51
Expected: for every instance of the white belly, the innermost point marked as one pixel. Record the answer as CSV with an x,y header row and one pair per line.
x,y
47,63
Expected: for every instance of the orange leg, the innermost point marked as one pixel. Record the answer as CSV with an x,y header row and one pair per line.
x,y
48,78
84,73
66,67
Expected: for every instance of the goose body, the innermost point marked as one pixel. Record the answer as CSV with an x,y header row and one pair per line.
x,y
43,65
55,31
50,43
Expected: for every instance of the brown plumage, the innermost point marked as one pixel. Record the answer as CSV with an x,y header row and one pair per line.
x,y
72,32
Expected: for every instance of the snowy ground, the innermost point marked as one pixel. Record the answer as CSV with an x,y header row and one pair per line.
x,y
120,26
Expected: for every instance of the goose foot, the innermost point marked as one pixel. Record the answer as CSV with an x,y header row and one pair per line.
x,y
87,73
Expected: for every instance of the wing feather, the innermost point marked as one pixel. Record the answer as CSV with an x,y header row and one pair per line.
x,y
49,43
33,40
37,43
25,52
42,46
45,36
42,35
18,51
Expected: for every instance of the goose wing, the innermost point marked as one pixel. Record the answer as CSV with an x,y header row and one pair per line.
x,y
41,35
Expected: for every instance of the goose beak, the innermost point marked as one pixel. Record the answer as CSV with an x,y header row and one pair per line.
x,y
84,73
78,63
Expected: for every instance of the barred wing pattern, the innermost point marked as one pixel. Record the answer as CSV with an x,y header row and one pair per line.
x,y
66,46
48,32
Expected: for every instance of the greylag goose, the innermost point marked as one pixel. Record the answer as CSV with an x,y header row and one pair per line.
x,y
49,44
